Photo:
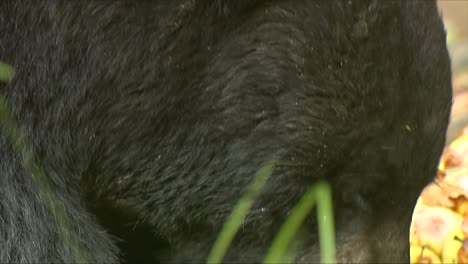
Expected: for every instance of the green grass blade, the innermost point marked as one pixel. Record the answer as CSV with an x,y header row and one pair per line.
x,y
231,226
321,194
289,229
325,223
18,140
6,72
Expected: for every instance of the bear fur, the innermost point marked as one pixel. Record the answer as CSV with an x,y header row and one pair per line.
x,y
150,118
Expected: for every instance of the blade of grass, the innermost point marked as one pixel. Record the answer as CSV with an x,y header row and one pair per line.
x,y
321,194
231,226
289,229
295,247
325,223
18,140
6,72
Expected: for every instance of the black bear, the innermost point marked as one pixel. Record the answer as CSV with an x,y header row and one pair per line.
x,y
148,119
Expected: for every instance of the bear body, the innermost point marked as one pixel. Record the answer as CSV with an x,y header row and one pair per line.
x,y
150,118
